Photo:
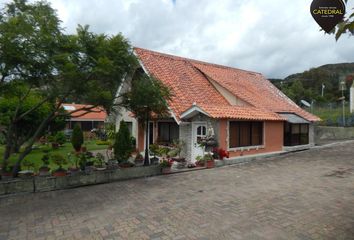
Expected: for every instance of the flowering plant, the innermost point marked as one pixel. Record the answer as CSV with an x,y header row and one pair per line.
x,y
221,153
165,163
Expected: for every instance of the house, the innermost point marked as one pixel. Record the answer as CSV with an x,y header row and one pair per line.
x,y
240,109
87,120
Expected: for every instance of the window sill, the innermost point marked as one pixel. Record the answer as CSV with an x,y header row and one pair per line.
x,y
242,149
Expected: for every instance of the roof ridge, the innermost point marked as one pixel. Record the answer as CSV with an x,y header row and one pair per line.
x,y
190,60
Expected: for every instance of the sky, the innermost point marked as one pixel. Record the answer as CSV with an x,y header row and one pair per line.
x,y
274,37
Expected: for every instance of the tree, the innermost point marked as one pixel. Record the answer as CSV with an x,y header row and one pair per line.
x,y
26,126
148,97
77,138
346,26
35,52
123,144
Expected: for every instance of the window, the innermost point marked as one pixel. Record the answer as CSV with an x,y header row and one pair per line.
x,y
167,132
201,133
242,134
296,134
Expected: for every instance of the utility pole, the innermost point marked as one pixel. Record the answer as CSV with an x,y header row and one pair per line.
x,y
342,86
323,87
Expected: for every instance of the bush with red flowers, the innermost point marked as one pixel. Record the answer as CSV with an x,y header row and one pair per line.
x,y
220,153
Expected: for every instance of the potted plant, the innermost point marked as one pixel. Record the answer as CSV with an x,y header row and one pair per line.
x,y
177,148
165,166
6,173
208,158
154,149
200,162
139,159
53,142
59,160
99,162
74,160
27,167
44,169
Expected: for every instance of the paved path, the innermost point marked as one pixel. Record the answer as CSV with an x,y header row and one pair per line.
x,y
305,195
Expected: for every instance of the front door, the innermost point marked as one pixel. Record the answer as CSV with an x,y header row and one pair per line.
x,y
199,131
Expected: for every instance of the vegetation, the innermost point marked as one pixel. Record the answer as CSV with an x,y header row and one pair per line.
x,y
123,145
37,154
41,67
59,160
308,85
148,96
77,138
60,138
346,26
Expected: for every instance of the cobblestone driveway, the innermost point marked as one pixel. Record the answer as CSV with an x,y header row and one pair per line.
x,y
305,195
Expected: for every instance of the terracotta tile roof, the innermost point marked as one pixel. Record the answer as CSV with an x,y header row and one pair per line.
x,y
189,82
240,112
96,114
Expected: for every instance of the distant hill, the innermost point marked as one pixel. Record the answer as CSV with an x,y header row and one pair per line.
x,y
308,84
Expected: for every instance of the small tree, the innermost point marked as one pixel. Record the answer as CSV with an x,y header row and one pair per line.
x,y
123,145
148,96
77,138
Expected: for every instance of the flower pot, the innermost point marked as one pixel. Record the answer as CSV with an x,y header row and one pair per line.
x,y
74,171
44,171
59,173
25,173
126,165
83,149
55,145
100,168
166,170
210,164
6,176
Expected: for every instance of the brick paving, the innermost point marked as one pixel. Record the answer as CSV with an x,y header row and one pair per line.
x,y
304,195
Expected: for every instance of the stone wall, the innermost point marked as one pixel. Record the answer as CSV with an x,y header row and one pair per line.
x,y
333,133
44,184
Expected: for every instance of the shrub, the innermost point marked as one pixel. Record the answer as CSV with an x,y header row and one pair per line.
x,y
59,160
165,163
60,138
122,145
77,138
208,157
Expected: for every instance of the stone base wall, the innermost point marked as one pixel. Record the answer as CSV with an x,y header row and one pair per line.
x,y
333,133
44,184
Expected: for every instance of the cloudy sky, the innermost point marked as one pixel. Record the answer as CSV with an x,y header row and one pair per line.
x,y
274,37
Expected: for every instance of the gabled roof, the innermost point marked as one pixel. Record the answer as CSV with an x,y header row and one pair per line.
x,y
190,81
95,114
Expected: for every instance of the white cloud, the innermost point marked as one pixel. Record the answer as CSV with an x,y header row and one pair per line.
x,y
273,37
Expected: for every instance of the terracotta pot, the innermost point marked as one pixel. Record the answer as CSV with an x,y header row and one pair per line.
x,y
210,164
60,173
83,149
6,175
55,145
166,170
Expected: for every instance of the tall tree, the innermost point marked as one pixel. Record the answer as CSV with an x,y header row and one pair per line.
x,y
35,52
147,98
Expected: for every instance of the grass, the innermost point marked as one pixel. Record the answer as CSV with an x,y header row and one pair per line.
x,y
332,116
36,155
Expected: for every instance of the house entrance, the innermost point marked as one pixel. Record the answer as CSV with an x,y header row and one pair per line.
x,y
199,131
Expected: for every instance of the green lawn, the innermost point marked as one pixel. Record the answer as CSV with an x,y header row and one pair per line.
x,y
332,116
36,155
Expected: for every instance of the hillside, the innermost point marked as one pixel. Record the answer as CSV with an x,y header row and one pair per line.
x,y
308,84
